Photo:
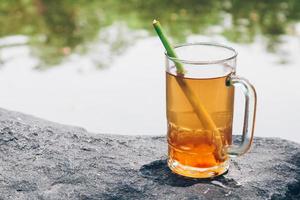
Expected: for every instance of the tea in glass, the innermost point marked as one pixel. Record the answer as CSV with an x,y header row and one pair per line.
x,y
200,85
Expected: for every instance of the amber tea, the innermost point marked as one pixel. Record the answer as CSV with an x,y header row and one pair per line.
x,y
190,142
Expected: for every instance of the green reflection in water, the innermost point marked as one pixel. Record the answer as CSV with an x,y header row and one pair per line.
x,y
58,28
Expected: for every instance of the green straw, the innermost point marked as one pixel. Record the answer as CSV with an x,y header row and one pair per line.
x,y
198,107
168,47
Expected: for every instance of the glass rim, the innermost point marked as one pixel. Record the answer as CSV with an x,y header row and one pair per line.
x,y
202,62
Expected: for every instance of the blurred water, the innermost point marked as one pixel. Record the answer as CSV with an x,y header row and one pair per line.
x,y
117,83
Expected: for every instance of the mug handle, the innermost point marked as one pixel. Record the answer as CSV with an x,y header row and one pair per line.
x,y
249,117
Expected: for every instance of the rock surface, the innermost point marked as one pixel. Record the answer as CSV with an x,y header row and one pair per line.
x,y
46,160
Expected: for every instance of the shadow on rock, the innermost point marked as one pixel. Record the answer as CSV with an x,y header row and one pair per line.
x,y
159,172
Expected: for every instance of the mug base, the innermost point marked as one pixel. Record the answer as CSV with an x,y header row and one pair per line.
x,y
195,172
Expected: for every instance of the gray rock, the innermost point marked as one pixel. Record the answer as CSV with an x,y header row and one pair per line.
x,y
46,160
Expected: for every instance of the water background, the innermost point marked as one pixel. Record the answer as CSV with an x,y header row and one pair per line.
x,y
99,65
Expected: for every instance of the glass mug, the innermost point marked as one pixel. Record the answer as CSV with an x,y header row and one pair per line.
x,y
200,105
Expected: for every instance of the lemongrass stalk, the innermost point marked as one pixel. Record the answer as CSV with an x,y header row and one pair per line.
x,y
202,114
168,47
